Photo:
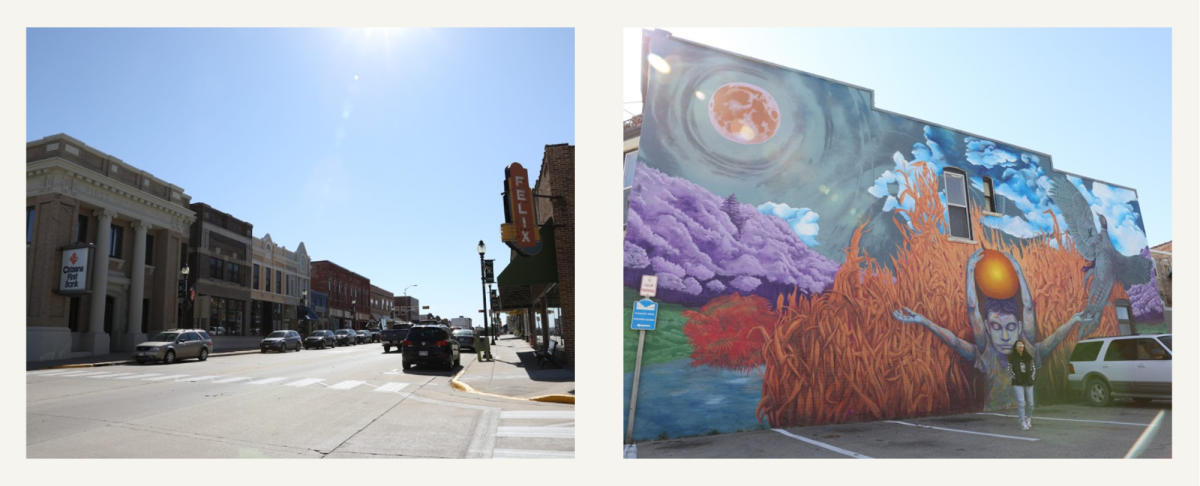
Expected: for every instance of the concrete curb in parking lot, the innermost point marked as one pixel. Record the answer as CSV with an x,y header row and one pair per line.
x,y
556,398
130,361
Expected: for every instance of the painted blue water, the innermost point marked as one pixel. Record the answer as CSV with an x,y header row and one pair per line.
x,y
677,399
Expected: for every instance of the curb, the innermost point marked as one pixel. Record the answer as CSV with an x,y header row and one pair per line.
x,y
130,361
555,398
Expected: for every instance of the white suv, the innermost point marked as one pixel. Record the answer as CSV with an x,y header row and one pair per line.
x,y
1138,367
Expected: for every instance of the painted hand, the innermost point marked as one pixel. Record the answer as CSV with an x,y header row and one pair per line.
x,y
907,315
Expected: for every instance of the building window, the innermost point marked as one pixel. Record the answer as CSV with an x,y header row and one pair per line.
x,y
216,268
233,272
114,241
289,285
149,250
989,195
268,279
279,281
255,276
81,228
956,202
29,224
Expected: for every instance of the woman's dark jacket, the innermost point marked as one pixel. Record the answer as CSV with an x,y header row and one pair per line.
x,y
1021,368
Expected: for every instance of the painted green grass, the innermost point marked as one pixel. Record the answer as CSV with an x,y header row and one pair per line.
x,y
665,343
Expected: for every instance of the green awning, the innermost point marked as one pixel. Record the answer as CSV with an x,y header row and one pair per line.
x,y
526,277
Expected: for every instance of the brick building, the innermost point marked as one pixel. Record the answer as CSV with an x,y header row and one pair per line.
x,y
381,306
407,308
219,259
348,294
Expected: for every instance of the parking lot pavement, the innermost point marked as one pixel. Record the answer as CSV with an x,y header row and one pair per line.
x,y
1059,431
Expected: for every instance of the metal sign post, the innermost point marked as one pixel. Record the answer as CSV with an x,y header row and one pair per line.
x,y
645,316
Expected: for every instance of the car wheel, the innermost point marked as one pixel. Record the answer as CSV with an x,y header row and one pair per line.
x,y
169,358
203,354
1098,393
406,364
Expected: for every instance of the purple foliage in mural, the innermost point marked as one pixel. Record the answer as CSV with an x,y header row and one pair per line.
x,y
685,235
1147,304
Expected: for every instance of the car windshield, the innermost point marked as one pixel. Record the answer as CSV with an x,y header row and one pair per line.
x,y
165,336
463,332
277,334
317,334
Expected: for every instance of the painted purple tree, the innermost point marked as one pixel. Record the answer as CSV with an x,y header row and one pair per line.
x,y
1147,304
702,246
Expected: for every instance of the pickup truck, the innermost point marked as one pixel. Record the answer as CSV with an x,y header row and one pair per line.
x,y
393,338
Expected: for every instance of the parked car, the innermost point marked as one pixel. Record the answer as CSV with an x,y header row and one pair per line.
x,y
393,338
1137,367
465,338
430,344
175,344
321,338
362,336
281,341
345,337
374,335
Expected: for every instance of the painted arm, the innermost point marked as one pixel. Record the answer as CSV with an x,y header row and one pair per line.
x,y
1028,319
963,348
1043,349
974,313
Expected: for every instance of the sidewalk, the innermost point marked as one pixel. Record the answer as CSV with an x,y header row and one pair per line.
x,y
224,345
514,373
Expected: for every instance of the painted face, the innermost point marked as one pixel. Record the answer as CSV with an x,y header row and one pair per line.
x,y
1004,330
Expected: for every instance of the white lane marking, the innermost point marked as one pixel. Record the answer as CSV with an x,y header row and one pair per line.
x,y
143,375
346,385
199,378
972,432
525,453
538,414
232,379
823,445
89,374
110,375
77,373
303,383
264,381
539,432
563,424
1067,420
166,377
52,372
391,387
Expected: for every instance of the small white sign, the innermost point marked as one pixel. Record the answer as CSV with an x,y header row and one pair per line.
x,y
649,285
74,270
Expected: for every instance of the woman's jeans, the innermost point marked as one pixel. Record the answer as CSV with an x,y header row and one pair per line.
x,y
1024,401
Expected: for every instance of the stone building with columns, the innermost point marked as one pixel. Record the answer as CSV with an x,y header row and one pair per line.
x,y
278,280
129,229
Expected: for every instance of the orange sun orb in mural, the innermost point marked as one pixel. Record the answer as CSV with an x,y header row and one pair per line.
x,y
743,113
995,276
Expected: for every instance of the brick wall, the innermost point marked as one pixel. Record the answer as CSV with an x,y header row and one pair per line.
x,y
558,164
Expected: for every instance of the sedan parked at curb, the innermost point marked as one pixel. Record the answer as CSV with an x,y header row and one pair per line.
x,y
346,337
281,341
321,338
171,345
465,338
362,337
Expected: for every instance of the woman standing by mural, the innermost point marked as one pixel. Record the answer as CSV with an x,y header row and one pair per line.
x,y
1023,371
1005,318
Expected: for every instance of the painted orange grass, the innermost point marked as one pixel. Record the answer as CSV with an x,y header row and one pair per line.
x,y
840,356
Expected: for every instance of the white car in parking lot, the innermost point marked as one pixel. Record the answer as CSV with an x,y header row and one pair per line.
x,y
1137,367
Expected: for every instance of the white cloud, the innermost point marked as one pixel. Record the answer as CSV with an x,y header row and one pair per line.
x,y
1114,204
803,221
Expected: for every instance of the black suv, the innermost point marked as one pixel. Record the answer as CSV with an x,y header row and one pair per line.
x,y
321,338
430,344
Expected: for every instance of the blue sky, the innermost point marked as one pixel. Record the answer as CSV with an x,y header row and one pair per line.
x,y
382,150
1098,101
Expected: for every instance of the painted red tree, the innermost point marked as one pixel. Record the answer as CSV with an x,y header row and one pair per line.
x,y
729,331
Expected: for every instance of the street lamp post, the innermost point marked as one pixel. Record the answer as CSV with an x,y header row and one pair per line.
x,y
352,304
483,287
184,306
303,308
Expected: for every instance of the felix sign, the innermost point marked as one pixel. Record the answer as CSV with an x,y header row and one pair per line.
x,y
74,270
520,231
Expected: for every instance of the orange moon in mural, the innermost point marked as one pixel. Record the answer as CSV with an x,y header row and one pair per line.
x,y
743,113
995,276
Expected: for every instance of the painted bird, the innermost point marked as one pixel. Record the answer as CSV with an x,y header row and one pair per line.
x,y
1105,264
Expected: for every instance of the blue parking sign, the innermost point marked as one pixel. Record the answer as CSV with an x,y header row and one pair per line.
x,y
645,314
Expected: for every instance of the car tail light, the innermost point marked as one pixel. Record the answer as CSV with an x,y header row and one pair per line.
x,y
1071,368
442,343
406,343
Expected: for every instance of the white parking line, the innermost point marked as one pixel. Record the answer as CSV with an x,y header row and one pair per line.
x,y
972,432
232,379
537,432
538,414
303,383
524,453
391,387
166,377
143,375
264,381
346,385
1067,420
199,378
823,445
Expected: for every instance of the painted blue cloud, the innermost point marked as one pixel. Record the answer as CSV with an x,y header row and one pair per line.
x,y
802,220
895,178
1115,204
985,153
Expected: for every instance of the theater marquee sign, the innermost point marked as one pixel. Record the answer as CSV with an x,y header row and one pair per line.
x,y
520,230
74,270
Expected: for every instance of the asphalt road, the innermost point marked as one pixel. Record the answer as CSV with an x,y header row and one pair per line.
x,y
1059,431
341,402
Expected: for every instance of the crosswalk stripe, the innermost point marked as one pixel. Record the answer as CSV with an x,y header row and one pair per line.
x,y
527,453
303,383
90,373
110,375
264,381
164,377
346,385
76,373
539,432
199,378
391,387
538,414
143,375
232,379
52,372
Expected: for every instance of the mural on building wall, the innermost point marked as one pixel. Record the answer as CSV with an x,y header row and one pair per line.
x,y
805,268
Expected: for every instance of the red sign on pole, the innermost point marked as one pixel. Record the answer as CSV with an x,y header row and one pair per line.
x,y
521,232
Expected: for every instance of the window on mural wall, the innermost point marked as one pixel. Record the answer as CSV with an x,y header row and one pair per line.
x,y
956,204
989,196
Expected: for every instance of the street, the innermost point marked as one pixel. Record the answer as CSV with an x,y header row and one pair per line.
x,y
1059,431
340,402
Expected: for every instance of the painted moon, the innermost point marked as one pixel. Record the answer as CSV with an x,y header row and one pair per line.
x,y
743,113
995,276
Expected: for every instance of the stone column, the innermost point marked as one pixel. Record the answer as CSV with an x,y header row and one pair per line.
x,y
96,339
137,285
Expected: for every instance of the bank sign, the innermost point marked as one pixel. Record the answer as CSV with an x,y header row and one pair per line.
x,y
74,271
520,231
